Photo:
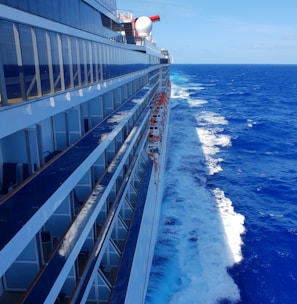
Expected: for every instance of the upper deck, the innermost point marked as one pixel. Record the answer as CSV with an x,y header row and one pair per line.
x,y
51,48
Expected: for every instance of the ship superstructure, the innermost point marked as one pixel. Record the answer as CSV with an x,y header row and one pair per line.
x,y
80,173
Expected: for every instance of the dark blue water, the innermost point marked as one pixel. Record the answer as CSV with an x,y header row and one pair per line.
x,y
228,228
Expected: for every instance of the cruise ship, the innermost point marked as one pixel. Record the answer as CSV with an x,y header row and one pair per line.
x,y
84,93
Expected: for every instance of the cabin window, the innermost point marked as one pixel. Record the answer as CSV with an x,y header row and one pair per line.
x,y
30,62
56,64
45,69
36,62
89,62
11,60
83,59
75,62
95,61
67,62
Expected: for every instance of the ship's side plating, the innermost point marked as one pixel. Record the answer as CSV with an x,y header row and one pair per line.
x,y
79,193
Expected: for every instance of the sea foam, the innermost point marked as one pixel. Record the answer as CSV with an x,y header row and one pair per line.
x,y
199,233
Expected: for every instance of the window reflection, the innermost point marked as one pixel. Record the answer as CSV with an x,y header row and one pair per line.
x,y
10,63
82,61
67,62
55,61
75,62
37,62
45,70
28,63
99,61
105,61
95,61
89,62
78,14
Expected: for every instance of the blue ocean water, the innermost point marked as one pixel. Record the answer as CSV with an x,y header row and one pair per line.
x,y
228,226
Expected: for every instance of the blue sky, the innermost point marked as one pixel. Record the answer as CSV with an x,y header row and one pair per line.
x,y
223,31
